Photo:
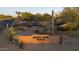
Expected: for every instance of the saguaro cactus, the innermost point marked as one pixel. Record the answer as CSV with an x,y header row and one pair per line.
x,y
10,32
53,26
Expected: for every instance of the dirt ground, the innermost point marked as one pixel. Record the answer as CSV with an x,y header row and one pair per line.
x,y
70,43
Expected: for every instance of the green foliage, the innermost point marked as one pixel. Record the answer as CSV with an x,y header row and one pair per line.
x,y
5,16
46,17
38,17
26,16
71,15
35,17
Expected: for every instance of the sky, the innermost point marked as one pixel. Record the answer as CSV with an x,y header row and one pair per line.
x,y
34,10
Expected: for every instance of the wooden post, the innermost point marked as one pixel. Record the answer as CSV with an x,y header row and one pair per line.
x,y
70,27
7,30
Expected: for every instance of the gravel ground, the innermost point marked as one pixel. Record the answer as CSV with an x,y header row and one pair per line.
x,y
70,43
